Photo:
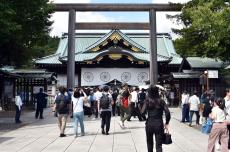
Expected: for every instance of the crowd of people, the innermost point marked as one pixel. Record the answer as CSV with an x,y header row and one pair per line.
x,y
105,102
208,106
147,105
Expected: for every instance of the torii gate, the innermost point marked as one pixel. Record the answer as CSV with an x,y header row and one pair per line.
x,y
151,8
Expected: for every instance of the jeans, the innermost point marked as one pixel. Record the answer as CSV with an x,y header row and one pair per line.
x,y
79,117
197,116
105,121
154,127
185,113
17,115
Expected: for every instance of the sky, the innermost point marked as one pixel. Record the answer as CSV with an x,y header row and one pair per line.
x,y
164,25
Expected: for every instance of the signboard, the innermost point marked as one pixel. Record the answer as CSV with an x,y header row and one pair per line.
x,y
213,74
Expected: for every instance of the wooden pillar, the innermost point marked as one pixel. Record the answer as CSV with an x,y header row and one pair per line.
x,y
153,73
79,77
71,49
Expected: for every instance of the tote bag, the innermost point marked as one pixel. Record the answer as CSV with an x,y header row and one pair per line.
x,y
167,139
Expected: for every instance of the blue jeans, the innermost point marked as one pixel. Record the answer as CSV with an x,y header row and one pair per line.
x,y
78,117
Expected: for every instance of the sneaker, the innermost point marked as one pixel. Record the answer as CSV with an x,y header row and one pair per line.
x,y
121,124
102,131
62,135
107,133
82,134
190,125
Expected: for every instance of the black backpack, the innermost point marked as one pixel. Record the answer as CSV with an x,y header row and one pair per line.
x,y
104,101
61,106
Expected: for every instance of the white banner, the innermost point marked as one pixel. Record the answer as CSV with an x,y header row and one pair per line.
x,y
100,76
62,80
212,74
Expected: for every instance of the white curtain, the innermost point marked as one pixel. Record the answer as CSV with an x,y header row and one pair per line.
x,y
100,76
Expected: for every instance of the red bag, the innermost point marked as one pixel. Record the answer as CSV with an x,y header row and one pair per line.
x,y
125,102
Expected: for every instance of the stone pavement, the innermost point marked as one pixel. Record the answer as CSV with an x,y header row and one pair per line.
x,y
43,135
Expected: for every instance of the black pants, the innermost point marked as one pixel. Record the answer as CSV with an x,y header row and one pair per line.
x,y
39,112
18,114
114,108
105,121
95,109
143,115
197,116
154,128
134,111
118,110
185,113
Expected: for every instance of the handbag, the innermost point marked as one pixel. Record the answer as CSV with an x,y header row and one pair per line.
x,y
167,139
207,126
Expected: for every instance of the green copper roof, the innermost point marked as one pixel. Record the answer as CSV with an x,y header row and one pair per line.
x,y
51,59
139,56
198,62
85,41
122,35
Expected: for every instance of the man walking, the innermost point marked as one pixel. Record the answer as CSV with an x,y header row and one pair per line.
x,y
133,105
185,106
41,101
194,102
62,107
97,95
18,106
105,107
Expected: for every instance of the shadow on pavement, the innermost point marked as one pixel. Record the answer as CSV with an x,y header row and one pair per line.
x,y
3,139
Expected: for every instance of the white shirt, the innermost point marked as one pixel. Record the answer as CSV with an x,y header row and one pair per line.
x,y
134,97
227,107
18,102
184,98
77,104
218,114
98,95
194,101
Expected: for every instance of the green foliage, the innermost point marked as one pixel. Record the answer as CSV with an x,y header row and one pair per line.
x,y
24,24
206,31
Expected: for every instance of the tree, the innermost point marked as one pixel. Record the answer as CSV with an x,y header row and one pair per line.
x,y
24,24
206,29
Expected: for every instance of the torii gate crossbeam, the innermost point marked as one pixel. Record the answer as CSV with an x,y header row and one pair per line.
x,y
151,8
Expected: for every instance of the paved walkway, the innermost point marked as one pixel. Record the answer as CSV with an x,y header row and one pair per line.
x,y
42,135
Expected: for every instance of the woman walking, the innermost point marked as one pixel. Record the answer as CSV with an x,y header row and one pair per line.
x,y
155,107
78,99
219,128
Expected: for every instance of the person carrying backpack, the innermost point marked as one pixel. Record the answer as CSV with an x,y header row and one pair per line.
x,y
62,107
105,108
